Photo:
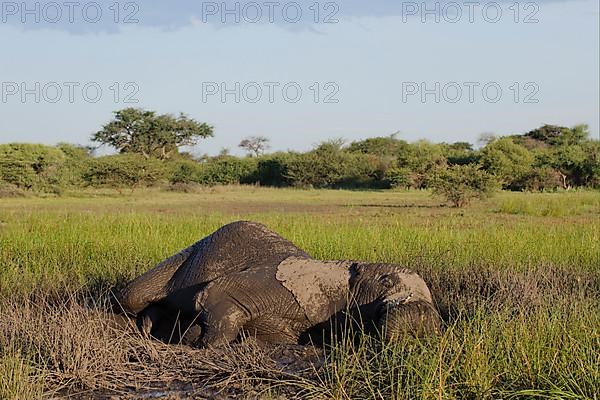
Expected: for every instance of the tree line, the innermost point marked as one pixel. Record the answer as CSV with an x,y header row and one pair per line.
x,y
149,153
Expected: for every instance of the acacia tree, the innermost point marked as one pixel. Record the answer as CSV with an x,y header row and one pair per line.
x,y
255,145
145,132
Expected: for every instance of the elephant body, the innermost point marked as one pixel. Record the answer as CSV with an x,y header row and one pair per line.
x,y
160,297
246,280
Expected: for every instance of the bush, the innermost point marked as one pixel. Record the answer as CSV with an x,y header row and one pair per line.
x,y
272,170
421,158
399,178
228,170
328,166
77,163
184,172
510,162
31,166
459,184
380,146
461,153
124,170
541,178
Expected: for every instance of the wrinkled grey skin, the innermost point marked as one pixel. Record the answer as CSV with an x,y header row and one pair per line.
x,y
160,298
246,280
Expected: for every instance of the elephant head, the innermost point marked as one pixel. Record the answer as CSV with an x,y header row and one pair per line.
x,y
395,299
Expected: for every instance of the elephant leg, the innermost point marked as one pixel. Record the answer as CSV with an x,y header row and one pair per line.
x,y
149,319
167,325
222,323
191,334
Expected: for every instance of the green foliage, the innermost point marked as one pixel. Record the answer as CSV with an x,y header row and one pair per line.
x,y
421,159
228,170
508,161
379,146
547,134
400,178
545,159
31,166
329,166
590,168
124,171
185,172
577,163
312,170
459,184
77,161
144,132
461,153
541,178
272,170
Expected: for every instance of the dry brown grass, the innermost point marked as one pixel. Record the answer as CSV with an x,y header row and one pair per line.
x,y
76,348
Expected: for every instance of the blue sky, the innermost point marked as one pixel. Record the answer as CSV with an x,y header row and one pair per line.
x,y
364,75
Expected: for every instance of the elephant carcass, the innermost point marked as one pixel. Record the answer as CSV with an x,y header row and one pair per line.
x,y
162,293
299,297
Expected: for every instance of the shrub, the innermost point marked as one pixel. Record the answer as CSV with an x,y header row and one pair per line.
x,y
8,190
379,146
335,169
124,170
421,158
184,172
307,170
228,170
542,178
459,184
461,153
31,166
508,161
77,162
272,170
399,178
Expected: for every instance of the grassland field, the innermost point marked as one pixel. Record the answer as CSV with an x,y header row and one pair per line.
x,y
516,279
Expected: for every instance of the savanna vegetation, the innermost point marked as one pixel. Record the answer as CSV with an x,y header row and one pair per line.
x,y
516,279
149,153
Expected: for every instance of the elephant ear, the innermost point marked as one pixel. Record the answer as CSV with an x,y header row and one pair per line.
x,y
321,288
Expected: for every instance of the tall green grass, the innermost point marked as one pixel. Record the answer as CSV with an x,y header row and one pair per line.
x,y
488,356
46,244
550,204
18,380
517,278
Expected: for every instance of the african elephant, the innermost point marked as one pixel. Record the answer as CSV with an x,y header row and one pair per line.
x,y
160,297
260,284
284,303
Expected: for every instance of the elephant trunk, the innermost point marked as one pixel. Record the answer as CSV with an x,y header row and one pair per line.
x,y
416,318
151,286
